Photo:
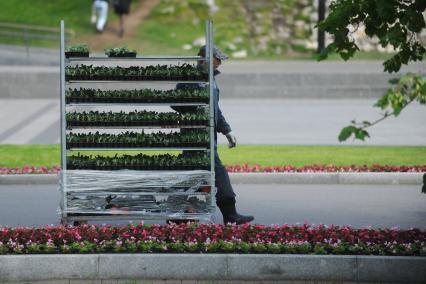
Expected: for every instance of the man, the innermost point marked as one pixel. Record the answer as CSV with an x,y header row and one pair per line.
x,y
225,196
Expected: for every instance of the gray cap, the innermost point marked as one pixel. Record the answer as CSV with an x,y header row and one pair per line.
x,y
216,52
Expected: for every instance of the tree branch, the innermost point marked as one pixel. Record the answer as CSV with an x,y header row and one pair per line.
x,y
387,115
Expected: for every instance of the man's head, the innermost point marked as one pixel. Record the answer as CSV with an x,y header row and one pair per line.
x,y
218,55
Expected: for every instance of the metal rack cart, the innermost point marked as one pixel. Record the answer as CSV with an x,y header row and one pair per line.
x,y
149,195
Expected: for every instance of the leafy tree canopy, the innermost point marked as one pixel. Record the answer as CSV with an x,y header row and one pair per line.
x,y
394,22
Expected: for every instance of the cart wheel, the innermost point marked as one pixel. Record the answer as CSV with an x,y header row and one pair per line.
x,y
64,220
211,220
78,223
181,221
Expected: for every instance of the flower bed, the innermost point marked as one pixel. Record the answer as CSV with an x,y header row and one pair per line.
x,y
30,170
245,168
213,238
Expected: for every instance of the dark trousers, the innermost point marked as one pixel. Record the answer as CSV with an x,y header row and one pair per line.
x,y
225,193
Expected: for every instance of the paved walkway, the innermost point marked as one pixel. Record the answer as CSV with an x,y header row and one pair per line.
x,y
268,121
318,122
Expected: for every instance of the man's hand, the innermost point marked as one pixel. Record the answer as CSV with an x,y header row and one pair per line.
x,y
232,141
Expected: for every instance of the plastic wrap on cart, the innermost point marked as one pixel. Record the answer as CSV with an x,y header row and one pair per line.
x,y
138,192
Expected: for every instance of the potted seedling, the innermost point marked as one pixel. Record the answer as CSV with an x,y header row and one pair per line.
x,y
68,97
201,96
204,118
120,52
70,119
79,50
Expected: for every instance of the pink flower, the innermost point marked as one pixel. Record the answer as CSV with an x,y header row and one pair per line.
x,y
246,168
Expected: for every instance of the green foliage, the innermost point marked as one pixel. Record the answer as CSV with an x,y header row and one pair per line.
x,y
189,138
320,249
349,130
158,72
83,48
97,118
139,162
396,23
41,248
407,89
137,95
119,51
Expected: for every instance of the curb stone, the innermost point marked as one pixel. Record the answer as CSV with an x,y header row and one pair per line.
x,y
329,178
29,179
396,178
216,267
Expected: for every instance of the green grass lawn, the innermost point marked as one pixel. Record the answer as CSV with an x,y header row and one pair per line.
x,y
48,13
49,155
76,13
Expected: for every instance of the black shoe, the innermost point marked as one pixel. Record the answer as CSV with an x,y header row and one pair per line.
x,y
238,219
230,214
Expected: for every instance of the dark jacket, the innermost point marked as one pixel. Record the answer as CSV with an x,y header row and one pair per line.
x,y
221,125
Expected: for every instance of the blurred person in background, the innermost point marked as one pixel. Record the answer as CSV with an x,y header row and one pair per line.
x,y
121,8
99,14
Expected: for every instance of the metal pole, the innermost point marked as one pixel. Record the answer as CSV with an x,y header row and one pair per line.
x,y
62,118
27,44
321,17
209,55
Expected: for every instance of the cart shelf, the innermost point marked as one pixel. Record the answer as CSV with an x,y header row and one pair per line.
x,y
134,81
142,149
139,58
140,127
136,104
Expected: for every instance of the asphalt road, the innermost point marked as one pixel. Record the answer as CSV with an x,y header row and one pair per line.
x,y
319,121
403,206
254,121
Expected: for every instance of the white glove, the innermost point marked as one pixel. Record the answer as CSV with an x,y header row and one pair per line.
x,y
232,140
